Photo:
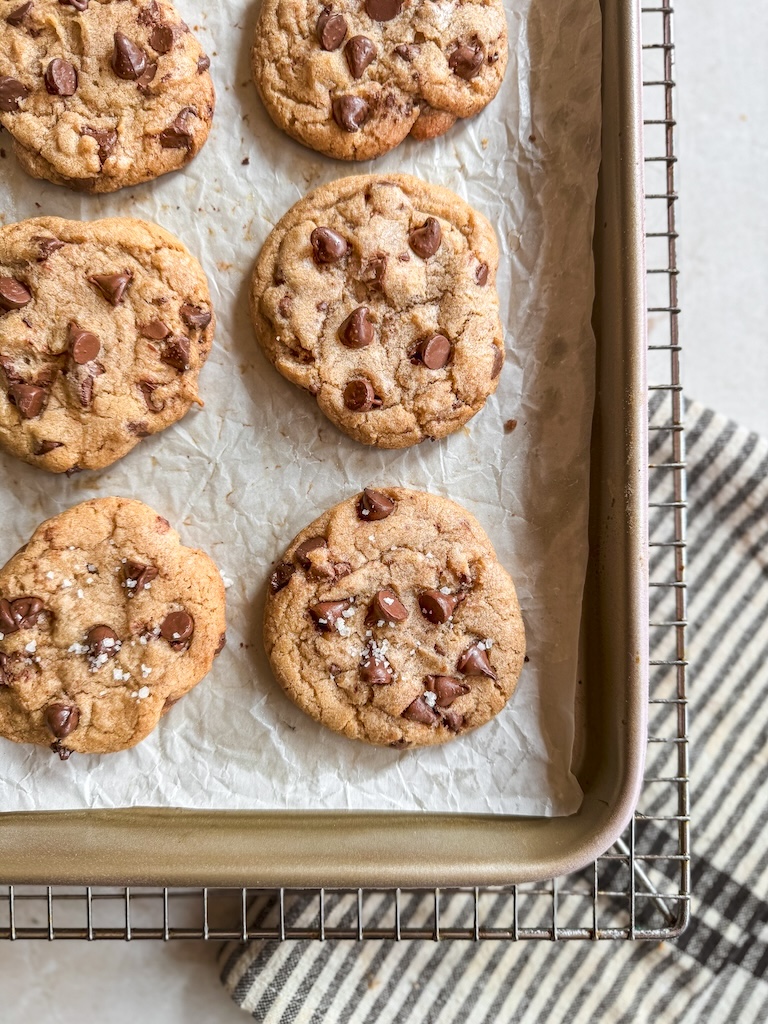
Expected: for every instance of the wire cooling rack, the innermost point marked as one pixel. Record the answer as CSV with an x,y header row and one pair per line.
x,y
640,889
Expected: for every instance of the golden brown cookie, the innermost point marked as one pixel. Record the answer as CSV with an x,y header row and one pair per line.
x,y
391,621
377,294
106,620
353,78
99,95
104,328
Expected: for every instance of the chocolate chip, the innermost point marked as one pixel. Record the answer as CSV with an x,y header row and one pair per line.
x,y
359,51
302,551
62,719
28,399
178,135
57,747
112,286
373,272
79,5
148,389
438,607
350,112
16,17
327,246
387,606
12,91
408,51
83,345
498,362
44,447
203,63
140,429
102,640
22,613
466,60
220,645
128,59
446,689
60,78
474,662
280,576
105,139
155,329
5,661
374,506
374,668
425,241
161,38
433,352
331,29
176,352
420,711
383,10
481,274
327,613
147,76
13,294
177,628
359,396
46,247
452,720
136,576
357,329
85,390
194,316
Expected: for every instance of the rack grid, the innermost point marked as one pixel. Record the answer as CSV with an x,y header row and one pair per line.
x,y
640,888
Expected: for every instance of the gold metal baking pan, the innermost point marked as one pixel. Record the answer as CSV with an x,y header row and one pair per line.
x,y
350,849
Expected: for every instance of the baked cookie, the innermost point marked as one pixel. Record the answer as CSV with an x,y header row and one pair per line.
x,y
99,95
105,622
104,328
377,295
353,78
391,621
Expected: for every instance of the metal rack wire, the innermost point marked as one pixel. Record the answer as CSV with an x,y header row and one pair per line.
x,y
640,889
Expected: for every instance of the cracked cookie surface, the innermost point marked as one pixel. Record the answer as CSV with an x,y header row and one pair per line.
x,y
377,294
352,79
104,328
102,94
106,620
390,620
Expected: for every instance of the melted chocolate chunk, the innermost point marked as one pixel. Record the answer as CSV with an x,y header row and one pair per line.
x,y
61,78
194,316
102,640
374,668
280,576
79,5
13,294
44,447
203,63
498,362
129,61
438,607
161,38
433,352
105,138
155,329
331,29
136,576
327,246
425,241
21,613
419,711
148,389
177,628
357,329
446,689
83,345
481,274
359,51
12,92
176,351
374,506
29,399
359,396
303,550
46,247
179,134
350,112
112,286
326,614
388,607
62,719
466,60
16,17
474,662
383,10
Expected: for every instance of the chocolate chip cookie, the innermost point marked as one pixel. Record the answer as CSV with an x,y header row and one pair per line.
x,y
377,295
106,620
391,621
353,78
104,328
99,95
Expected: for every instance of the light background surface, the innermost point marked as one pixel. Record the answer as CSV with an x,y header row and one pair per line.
x,y
723,144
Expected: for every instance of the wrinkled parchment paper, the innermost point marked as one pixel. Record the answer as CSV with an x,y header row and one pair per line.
x,y
242,476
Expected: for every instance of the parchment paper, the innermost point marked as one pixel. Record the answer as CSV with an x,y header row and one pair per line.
x,y
242,476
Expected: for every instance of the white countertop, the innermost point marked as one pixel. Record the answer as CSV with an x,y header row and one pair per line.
x,y
723,255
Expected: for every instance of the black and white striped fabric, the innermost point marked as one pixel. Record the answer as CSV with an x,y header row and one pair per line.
x,y
718,970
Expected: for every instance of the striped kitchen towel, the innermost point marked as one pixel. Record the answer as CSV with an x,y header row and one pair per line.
x,y
718,970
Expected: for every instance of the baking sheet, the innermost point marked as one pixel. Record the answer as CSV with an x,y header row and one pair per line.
x,y
242,476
